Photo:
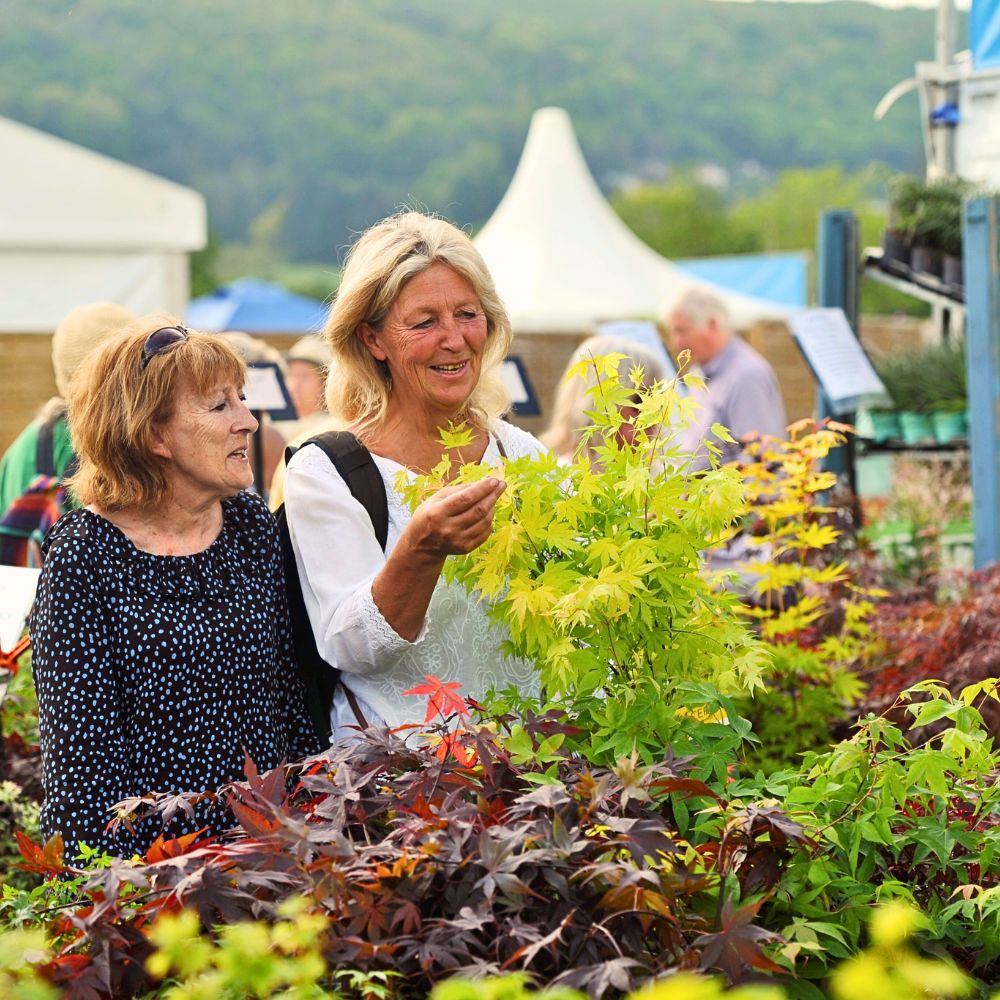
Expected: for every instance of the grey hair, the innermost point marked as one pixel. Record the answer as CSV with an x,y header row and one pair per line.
x,y
700,306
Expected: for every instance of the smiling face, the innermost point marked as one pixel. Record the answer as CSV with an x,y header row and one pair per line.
x,y
432,340
206,444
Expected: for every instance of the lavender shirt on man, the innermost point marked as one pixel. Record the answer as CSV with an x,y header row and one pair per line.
x,y
741,393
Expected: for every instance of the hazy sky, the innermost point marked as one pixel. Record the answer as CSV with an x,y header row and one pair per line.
x,y
960,4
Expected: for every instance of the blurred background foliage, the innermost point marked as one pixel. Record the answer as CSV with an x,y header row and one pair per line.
x,y
301,124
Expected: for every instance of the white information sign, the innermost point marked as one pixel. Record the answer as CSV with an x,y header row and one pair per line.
x,y
264,389
17,591
510,375
837,359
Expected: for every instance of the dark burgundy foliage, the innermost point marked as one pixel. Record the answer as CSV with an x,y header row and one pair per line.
x,y
956,642
431,863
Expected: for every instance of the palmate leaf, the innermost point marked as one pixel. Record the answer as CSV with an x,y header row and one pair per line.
x,y
737,946
174,847
45,859
442,700
616,974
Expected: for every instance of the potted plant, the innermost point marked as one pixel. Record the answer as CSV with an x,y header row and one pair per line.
x,y
937,226
950,239
904,379
946,391
897,237
878,423
928,388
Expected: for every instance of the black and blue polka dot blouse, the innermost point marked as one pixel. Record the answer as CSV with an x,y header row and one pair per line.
x,y
159,673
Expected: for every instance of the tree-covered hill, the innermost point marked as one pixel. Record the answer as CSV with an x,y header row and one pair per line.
x,y
327,114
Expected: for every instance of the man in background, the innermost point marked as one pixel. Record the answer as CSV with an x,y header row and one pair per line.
x,y
742,391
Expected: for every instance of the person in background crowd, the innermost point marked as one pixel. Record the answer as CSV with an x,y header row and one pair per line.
x,y
742,391
161,647
45,441
569,412
306,367
417,333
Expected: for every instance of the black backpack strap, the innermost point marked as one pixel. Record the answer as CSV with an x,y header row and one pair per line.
x,y
45,452
356,466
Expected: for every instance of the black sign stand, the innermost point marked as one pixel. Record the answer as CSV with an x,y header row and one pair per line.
x,y
266,393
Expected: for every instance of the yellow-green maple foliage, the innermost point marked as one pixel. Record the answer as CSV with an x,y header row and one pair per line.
x,y
595,566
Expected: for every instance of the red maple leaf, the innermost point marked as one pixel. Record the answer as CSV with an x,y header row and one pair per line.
x,y
451,746
441,698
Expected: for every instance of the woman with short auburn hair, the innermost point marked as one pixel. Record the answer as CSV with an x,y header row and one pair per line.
x,y
119,403
161,649
418,333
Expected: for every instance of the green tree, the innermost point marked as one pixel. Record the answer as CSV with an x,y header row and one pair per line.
x,y
683,218
203,266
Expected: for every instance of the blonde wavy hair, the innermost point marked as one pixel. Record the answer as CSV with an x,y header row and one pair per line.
x,y
115,403
380,263
569,411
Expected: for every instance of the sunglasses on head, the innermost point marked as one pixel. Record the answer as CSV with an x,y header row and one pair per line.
x,y
160,340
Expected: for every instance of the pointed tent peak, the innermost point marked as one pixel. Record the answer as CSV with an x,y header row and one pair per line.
x,y
563,260
554,194
552,155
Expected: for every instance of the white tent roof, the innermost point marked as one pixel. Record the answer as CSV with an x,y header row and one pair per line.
x,y
56,195
563,261
77,227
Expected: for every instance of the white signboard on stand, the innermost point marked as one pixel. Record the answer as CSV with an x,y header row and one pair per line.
x,y
837,359
17,593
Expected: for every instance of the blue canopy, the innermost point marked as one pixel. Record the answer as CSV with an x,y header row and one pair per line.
x,y
255,307
778,277
984,33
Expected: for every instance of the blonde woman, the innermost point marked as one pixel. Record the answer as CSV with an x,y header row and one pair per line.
x,y
417,333
573,397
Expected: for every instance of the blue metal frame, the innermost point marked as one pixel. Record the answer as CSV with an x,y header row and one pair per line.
x,y
837,287
982,344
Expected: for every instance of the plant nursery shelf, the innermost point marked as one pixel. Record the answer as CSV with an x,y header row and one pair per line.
x,y
952,449
919,285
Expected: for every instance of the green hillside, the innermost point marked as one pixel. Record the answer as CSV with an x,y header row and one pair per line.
x,y
327,114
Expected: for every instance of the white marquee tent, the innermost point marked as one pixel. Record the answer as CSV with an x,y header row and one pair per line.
x,y
76,226
561,258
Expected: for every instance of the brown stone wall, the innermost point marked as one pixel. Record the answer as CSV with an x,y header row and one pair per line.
x,y
27,380
545,356
26,367
886,335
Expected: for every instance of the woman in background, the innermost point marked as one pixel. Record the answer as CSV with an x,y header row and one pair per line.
x,y
574,399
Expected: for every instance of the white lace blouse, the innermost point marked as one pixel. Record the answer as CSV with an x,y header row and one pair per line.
x,y
338,557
